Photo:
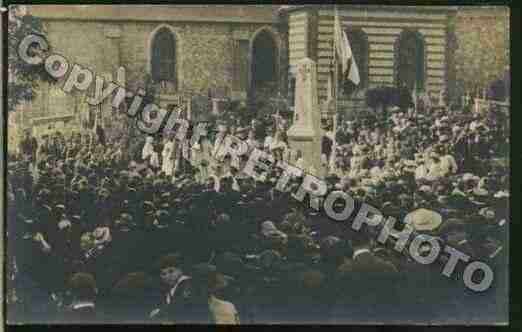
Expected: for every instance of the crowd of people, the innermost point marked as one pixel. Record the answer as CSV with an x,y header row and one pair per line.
x,y
103,230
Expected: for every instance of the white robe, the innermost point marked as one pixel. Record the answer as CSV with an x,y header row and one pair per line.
x,y
435,172
168,158
154,159
448,165
148,149
421,172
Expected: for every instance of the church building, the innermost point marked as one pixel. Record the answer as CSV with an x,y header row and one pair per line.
x,y
235,50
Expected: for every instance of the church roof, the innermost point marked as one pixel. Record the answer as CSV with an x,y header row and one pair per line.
x,y
186,13
290,8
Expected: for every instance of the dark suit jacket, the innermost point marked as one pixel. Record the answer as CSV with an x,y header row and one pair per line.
x,y
373,279
101,135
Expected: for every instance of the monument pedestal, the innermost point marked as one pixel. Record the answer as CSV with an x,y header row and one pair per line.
x,y
305,135
309,144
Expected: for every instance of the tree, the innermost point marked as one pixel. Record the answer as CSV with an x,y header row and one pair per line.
x,y
23,77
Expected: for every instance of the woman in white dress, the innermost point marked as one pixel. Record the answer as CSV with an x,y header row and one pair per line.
x,y
148,148
167,154
206,158
277,146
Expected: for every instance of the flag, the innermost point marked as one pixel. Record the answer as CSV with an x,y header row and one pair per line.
x,y
343,51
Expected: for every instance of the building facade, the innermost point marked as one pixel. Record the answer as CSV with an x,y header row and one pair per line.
x,y
392,45
233,50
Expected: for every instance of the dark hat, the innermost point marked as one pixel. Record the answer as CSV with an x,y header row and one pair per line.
x,y
207,275
148,205
222,219
126,217
270,258
169,260
83,284
44,192
135,283
60,207
311,279
230,263
331,246
165,195
162,216
46,209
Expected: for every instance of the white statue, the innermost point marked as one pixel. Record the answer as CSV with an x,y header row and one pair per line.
x,y
306,133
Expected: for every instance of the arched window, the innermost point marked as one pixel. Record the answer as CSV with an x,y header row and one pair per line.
x,y
264,62
360,50
163,60
410,60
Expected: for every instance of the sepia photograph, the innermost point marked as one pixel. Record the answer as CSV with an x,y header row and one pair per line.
x,y
335,164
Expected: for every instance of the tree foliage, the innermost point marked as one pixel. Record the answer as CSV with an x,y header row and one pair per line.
x,y
23,77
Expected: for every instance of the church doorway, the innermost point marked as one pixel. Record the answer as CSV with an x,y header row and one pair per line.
x,y
264,63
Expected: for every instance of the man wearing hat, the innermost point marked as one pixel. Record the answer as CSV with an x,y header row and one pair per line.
x,y
257,129
271,236
132,298
28,147
203,305
178,286
83,291
372,282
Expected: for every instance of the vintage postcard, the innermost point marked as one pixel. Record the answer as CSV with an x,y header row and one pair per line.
x,y
257,164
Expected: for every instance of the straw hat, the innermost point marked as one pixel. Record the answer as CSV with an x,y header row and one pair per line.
x,y
424,220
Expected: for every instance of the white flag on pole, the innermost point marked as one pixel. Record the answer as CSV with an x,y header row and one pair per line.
x,y
344,52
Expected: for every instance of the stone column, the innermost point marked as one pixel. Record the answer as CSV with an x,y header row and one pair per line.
x,y
306,133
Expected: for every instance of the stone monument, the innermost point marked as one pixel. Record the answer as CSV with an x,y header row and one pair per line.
x,y
305,135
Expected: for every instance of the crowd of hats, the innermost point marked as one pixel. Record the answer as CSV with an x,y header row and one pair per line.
x,y
94,218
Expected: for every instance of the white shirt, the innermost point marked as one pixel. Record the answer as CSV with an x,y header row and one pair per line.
x,y
148,150
376,172
421,172
168,150
268,141
448,165
154,159
276,144
360,251
83,304
435,172
172,291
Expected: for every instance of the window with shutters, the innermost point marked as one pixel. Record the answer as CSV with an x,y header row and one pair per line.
x,y
163,60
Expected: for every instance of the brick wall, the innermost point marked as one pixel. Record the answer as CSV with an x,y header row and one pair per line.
x,y
204,56
482,36
204,51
